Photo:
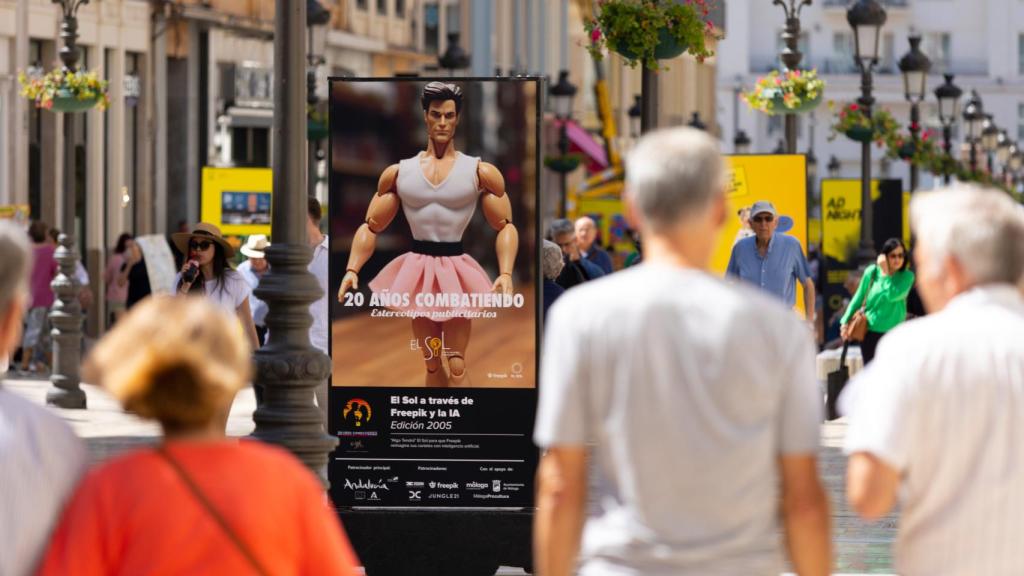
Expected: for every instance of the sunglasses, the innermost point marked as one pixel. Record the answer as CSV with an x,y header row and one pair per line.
x,y
200,245
764,219
899,255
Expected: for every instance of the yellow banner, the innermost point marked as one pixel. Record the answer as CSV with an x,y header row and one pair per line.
x,y
237,200
16,212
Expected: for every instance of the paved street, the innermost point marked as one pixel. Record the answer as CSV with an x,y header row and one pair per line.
x,y
861,548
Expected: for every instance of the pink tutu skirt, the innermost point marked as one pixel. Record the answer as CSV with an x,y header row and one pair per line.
x,y
413,274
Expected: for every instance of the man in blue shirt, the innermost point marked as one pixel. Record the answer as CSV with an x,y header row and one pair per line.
x,y
773,262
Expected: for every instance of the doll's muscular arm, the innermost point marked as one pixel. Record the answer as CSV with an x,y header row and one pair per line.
x,y
382,210
498,211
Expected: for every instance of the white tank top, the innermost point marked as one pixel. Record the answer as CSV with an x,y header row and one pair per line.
x,y
439,213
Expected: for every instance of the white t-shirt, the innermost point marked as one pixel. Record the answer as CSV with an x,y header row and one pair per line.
x,y
943,403
319,309
231,295
689,389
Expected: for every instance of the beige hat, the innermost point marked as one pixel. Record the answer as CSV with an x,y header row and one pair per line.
x,y
204,231
255,245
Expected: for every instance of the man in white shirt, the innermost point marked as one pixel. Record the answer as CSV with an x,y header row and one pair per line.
x,y
937,417
40,458
695,398
319,310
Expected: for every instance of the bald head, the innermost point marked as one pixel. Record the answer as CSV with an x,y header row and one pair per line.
x,y
586,232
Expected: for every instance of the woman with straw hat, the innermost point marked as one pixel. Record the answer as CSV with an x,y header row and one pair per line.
x,y
198,502
207,272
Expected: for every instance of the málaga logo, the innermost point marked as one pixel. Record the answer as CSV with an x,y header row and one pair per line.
x,y
357,412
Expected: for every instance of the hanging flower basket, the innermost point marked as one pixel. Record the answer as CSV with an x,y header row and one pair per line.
x,y
851,121
645,31
906,151
63,91
790,92
563,164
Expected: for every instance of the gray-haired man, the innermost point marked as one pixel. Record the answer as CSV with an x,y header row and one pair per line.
x,y
40,458
936,417
696,398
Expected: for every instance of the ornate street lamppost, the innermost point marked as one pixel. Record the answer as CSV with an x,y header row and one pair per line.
x,y
741,143
974,116
562,94
288,367
635,113
66,314
833,167
454,58
1003,150
791,56
989,140
696,122
948,95
915,67
866,17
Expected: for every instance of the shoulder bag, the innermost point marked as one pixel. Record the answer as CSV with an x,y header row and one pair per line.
x,y
208,506
858,325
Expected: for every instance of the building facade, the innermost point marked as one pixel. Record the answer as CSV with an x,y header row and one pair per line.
x,y
980,41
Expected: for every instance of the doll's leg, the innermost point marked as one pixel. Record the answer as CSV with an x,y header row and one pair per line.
x,y
426,332
456,338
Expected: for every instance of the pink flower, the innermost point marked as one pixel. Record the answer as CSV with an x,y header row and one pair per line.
x,y
595,34
854,107
778,81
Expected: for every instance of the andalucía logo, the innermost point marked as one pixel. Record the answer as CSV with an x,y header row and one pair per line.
x,y
357,412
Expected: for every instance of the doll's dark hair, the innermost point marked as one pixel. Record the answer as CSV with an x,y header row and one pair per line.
x,y
439,91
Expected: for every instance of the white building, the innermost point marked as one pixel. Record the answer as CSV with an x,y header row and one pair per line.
x,y
980,41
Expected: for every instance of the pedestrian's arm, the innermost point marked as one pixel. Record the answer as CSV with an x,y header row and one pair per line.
x,y
733,268
871,485
805,515
859,295
561,500
245,317
809,300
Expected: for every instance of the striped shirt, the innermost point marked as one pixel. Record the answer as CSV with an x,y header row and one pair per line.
x,y
40,463
943,404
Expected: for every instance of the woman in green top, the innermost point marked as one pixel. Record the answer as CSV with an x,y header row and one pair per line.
x,y
886,300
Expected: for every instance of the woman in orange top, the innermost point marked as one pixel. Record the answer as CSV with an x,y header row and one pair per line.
x,y
199,503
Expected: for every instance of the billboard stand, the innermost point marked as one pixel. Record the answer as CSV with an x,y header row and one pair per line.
x,y
436,293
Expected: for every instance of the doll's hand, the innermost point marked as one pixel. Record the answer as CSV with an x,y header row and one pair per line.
x,y
503,285
349,282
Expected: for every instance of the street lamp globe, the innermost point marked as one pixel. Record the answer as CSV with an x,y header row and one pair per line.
x,y
974,115
833,167
454,58
1003,144
635,114
1016,160
989,134
915,67
562,94
866,17
741,143
948,95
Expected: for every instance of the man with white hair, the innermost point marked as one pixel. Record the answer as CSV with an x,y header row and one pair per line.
x,y
551,264
40,458
586,238
696,399
937,417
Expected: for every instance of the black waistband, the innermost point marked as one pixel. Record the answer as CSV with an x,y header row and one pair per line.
x,y
437,248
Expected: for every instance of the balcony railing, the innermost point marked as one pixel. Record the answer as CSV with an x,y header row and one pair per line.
x,y
846,3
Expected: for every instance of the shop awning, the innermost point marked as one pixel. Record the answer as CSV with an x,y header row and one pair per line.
x,y
587,144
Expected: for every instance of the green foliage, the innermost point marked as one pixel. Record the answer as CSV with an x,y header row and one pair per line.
x,y
785,92
56,84
635,28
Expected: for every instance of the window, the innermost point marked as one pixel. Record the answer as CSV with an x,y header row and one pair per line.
x,y
453,18
431,28
886,55
842,47
938,47
400,8
382,7
361,4
1020,122
1020,54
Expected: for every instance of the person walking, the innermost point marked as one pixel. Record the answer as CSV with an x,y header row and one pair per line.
x,y
115,277
772,262
321,245
198,502
253,269
695,398
44,270
882,295
551,264
40,457
206,272
935,420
